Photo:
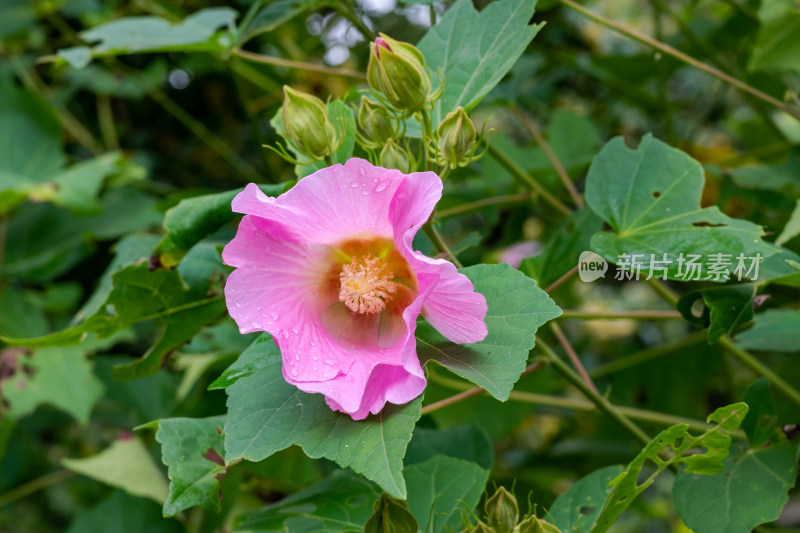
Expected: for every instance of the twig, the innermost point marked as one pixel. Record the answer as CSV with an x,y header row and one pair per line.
x,y
300,65
618,315
573,356
438,242
477,204
552,157
562,279
35,485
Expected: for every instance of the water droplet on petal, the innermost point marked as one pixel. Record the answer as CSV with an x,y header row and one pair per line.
x,y
296,356
293,372
361,171
314,357
274,316
285,334
238,305
328,362
294,330
354,184
365,193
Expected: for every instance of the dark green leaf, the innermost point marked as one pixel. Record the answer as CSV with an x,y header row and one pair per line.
x,y
469,443
727,308
475,50
517,308
274,14
266,414
777,45
761,423
773,330
651,199
121,513
577,509
784,177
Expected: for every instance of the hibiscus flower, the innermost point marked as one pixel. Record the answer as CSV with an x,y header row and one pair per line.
x,y
328,269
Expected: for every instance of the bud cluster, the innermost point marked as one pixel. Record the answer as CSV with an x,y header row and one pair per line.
x,y
502,516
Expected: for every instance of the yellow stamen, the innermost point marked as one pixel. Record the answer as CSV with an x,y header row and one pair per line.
x,y
366,285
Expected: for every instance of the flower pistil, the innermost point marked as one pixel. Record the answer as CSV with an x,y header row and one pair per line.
x,y
366,285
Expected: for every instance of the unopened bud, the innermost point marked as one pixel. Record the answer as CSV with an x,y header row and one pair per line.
x,y
456,138
397,70
306,123
374,124
502,511
534,525
391,515
396,157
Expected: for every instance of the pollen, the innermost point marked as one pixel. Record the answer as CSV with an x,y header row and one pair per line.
x,y
366,285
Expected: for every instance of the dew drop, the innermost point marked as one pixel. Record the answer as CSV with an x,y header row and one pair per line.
x,y
293,372
381,186
328,362
274,316
285,334
296,356
238,305
314,357
354,184
255,324
361,171
315,368
312,343
294,330
365,193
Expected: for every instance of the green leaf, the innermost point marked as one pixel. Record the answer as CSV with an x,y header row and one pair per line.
x,y
651,199
16,15
576,510
469,443
727,308
340,503
761,423
792,228
517,308
783,177
122,513
195,218
751,491
266,414
192,449
475,50
441,487
127,465
139,294
197,32
21,316
773,330
343,120
60,376
276,13
676,441
777,45
563,249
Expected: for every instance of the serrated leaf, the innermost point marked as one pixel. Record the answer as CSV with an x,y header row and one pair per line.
x,y
192,449
773,330
127,465
197,32
343,121
727,308
650,197
266,414
517,308
441,487
751,491
340,503
139,294
475,50
577,508
777,45
677,442
195,218
60,376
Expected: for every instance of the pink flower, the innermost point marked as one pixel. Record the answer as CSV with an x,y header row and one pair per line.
x,y
328,270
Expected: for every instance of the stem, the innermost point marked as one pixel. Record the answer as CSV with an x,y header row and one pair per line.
x,y
494,200
658,45
747,359
438,242
600,401
618,315
427,134
571,272
348,10
35,485
552,157
526,179
573,356
300,65
105,117
646,355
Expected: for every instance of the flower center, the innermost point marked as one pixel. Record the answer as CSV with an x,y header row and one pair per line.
x,y
366,285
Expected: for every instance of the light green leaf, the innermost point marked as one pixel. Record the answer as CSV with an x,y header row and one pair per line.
x,y
676,441
61,376
777,45
276,13
340,503
751,491
773,330
192,449
651,199
727,308
517,308
784,177
266,414
475,50
195,218
127,465
136,35
122,513
792,228
441,487
577,509
139,294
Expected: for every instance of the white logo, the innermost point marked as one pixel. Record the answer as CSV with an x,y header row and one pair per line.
x,y
591,266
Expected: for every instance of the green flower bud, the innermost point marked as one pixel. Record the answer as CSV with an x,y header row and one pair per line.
x,y
480,527
374,124
397,157
502,511
391,515
534,525
306,123
456,138
398,70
